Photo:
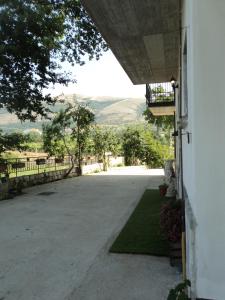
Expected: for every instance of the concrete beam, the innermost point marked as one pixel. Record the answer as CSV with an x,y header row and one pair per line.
x,y
162,110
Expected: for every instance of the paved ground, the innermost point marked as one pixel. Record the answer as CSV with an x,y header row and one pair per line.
x,y
55,247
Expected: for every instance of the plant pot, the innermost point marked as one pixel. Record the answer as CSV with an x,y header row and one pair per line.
x,y
40,161
59,160
18,165
171,224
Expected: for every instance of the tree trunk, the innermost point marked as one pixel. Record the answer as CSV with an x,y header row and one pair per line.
x,y
71,168
71,157
79,167
104,162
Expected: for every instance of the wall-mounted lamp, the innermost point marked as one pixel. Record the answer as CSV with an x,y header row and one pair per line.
x,y
174,83
175,133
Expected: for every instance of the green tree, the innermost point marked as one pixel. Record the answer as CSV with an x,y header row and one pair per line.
x,y
105,141
56,139
36,36
163,123
154,152
34,141
141,145
82,118
33,137
56,142
132,146
75,119
13,141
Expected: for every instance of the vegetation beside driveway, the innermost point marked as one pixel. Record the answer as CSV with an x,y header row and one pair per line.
x,y
142,233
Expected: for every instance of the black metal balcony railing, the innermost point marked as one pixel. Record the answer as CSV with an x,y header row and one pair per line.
x,y
159,92
160,98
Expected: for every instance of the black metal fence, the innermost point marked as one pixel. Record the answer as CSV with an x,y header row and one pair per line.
x,y
14,167
159,92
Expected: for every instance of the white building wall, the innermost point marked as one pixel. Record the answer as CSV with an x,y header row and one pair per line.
x,y
188,148
204,157
188,155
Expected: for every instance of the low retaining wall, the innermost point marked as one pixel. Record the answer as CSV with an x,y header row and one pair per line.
x,y
98,167
116,161
14,185
88,169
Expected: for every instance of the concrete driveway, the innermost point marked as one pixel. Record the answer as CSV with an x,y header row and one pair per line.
x,y
55,239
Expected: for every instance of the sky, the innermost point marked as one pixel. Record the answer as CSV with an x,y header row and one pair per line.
x,y
104,77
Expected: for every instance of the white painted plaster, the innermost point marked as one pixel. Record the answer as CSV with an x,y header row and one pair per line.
x,y
204,157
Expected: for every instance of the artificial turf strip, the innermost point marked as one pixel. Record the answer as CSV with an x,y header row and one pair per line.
x,y
142,233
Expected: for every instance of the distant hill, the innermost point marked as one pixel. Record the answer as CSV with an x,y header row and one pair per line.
x,y
108,111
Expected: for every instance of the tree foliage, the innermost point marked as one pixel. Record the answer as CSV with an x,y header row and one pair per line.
x,y
162,122
33,141
180,291
33,137
159,94
56,141
132,146
104,141
141,146
12,141
36,36
154,151
82,118
75,120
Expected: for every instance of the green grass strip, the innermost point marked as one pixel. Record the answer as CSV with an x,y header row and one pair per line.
x,y
142,233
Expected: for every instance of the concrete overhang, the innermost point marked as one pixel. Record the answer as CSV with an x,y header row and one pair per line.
x,y
142,34
162,109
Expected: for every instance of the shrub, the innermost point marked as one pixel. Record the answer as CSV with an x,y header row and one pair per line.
x,y
171,220
163,189
120,165
179,292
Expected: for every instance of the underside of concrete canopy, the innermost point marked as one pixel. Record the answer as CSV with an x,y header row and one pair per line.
x,y
143,35
162,109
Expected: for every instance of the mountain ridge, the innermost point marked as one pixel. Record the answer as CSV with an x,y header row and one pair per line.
x,y
108,111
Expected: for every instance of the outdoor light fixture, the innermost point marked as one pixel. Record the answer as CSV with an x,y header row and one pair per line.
x,y
173,83
175,133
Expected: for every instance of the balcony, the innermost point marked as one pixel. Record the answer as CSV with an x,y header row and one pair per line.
x,y
160,99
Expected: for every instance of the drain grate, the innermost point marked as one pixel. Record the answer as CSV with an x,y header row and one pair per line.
x,y
46,193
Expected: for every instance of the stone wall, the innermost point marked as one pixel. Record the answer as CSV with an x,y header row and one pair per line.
x,y
13,186
94,168
116,161
98,167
